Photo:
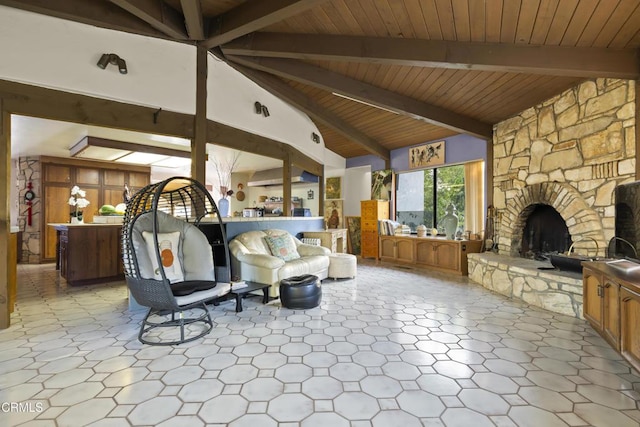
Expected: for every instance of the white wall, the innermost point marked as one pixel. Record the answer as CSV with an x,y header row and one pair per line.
x,y
60,54
356,185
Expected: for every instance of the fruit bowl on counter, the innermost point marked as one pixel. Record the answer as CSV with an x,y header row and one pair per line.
x,y
108,219
109,214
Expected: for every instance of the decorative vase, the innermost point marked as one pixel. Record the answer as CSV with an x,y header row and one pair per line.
x,y
77,220
421,230
223,207
450,222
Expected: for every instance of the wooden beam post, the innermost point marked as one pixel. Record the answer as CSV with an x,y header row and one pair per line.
x,y
5,187
637,118
488,170
199,141
321,193
286,186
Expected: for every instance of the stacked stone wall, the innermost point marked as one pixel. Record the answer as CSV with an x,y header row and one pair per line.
x,y
573,149
30,171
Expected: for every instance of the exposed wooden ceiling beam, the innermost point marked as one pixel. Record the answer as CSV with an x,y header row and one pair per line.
x,y
254,15
99,14
192,11
548,60
157,14
335,82
282,90
28,100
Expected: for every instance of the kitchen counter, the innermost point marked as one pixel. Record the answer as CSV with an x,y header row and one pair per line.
x,y
264,219
65,226
88,253
296,225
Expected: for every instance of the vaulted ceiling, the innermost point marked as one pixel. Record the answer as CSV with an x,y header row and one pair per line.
x,y
376,75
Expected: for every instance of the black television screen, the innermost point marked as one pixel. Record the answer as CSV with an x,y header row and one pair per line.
x,y
627,222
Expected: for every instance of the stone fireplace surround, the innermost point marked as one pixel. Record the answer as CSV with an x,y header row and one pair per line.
x,y
569,152
583,222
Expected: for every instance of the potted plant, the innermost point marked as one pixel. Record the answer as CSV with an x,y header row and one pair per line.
x,y
78,201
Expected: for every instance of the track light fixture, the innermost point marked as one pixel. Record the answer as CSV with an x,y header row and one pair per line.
x,y
112,58
315,137
261,109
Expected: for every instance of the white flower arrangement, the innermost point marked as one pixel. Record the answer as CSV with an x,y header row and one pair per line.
x,y
78,200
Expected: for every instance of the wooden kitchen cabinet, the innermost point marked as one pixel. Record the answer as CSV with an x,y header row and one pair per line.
x,y
629,326
611,304
591,300
103,184
89,253
610,311
371,211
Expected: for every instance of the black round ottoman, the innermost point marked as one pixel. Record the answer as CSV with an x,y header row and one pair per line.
x,y
300,292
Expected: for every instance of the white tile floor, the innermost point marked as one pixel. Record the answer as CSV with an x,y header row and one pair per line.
x,y
393,347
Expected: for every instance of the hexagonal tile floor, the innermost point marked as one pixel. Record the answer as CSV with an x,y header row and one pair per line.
x,y
393,347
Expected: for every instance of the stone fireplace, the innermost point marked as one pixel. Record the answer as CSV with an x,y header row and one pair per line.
x,y
566,155
545,232
581,223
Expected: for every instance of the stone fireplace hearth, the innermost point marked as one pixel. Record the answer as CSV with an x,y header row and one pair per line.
x,y
583,223
568,153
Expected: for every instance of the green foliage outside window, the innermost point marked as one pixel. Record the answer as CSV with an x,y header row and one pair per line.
x,y
416,203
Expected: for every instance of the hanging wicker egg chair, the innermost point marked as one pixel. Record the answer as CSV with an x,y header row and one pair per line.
x,y
170,264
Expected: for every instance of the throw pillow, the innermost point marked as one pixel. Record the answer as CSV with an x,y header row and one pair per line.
x,y
282,247
168,244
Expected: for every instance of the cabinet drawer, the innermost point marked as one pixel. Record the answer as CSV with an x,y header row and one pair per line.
x,y
370,225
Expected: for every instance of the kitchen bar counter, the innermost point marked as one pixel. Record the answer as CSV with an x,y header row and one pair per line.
x,y
264,219
89,253
293,224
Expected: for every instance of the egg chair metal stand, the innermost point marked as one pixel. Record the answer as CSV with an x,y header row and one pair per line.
x,y
168,261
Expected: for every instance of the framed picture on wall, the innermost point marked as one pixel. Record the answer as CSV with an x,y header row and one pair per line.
x,y
353,234
426,155
333,188
381,184
333,213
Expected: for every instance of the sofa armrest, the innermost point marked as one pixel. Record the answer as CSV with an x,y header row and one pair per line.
x,y
310,250
260,260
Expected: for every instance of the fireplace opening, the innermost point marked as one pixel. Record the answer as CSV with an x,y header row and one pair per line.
x,y
545,232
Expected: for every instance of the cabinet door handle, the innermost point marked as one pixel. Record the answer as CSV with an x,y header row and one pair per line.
x,y
600,290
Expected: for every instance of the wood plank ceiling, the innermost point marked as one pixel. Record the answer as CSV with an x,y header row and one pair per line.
x,y
437,67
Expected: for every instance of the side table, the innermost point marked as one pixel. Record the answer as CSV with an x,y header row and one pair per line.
x,y
240,293
334,239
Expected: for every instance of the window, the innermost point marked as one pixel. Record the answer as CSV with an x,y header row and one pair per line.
x,y
423,196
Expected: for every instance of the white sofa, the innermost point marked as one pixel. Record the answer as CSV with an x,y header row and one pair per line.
x,y
252,260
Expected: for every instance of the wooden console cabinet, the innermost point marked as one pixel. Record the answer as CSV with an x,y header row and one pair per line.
x,y
611,304
434,253
89,253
